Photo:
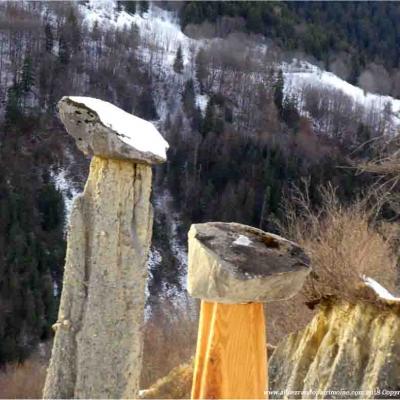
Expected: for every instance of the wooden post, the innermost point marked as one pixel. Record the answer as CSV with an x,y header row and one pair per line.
x,y
231,358
233,269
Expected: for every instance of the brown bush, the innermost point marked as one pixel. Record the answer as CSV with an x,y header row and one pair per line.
x,y
285,317
169,340
23,381
176,385
344,243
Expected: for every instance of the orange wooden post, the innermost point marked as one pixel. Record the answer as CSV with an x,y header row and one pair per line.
x,y
231,358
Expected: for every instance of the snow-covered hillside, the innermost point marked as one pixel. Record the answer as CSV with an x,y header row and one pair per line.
x,y
300,75
158,25
162,28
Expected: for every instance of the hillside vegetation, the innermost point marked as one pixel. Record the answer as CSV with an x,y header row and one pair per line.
x,y
354,39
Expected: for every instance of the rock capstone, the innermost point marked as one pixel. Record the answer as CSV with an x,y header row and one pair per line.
x,y
234,263
102,129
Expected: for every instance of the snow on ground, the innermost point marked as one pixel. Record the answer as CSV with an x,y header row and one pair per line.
x,y
154,260
62,179
201,102
178,298
163,204
134,131
380,291
301,74
160,37
157,25
66,188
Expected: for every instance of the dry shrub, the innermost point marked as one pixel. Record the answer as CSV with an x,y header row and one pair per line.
x,y
170,336
344,243
23,381
176,385
386,161
285,317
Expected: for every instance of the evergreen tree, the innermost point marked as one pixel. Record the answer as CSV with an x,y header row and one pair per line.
x,y
27,78
130,7
363,140
254,22
290,113
219,125
278,91
178,63
208,122
135,37
228,115
188,98
51,207
74,31
27,255
197,119
143,7
355,70
192,111
49,39
64,54
146,108
201,69
13,109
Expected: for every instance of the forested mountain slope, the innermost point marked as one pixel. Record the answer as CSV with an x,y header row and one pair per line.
x,y
245,123
358,41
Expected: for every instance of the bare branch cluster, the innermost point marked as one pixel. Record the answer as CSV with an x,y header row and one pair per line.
x,y
344,243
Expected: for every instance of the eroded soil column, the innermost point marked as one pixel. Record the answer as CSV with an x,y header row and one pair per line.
x,y
97,349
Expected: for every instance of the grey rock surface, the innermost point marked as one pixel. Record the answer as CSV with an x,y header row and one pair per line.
x,y
234,263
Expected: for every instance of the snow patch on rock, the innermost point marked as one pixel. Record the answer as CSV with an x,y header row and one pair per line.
x,y
379,290
242,241
134,131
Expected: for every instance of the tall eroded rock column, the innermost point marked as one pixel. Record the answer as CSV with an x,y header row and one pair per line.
x,y
97,348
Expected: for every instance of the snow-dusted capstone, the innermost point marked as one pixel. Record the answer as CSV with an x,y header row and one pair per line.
x,y
102,129
234,263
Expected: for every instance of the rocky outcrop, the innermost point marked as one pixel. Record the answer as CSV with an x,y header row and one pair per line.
x,y
98,343
353,348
